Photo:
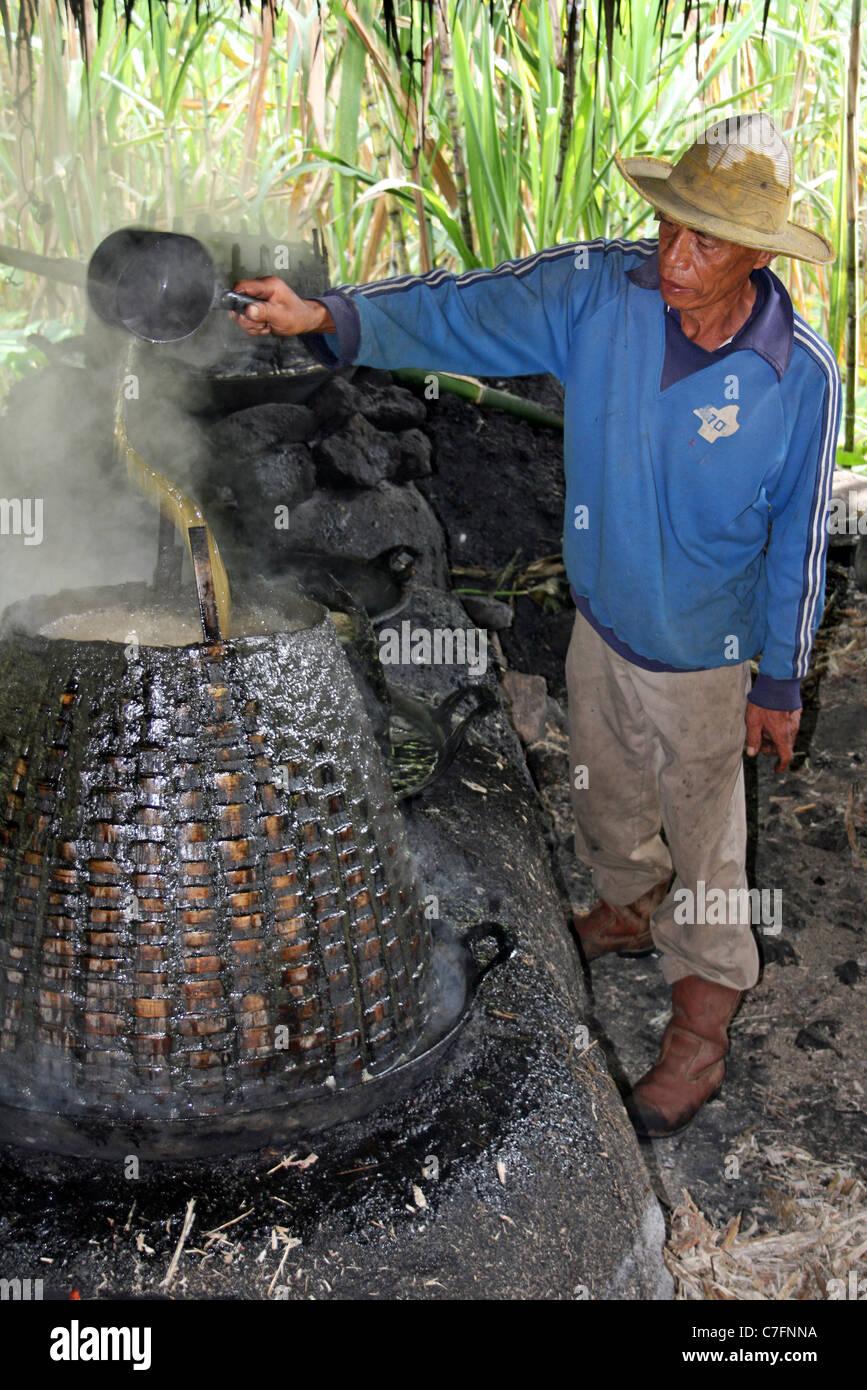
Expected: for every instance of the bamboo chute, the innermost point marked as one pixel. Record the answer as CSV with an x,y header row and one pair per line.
x,y
174,504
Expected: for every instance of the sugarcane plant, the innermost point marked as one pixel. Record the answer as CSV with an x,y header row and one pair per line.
x,y
487,137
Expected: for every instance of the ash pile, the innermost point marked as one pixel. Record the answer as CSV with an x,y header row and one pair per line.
x,y
508,1168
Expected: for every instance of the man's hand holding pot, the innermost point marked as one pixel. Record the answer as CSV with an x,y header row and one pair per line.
x,y
282,312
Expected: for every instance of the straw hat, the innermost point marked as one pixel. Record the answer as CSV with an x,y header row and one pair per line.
x,y
734,182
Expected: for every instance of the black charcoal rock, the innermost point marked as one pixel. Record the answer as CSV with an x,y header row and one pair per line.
x,y
491,613
261,428
849,972
818,1035
362,523
415,455
280,478
372,376
392,408
778,951
831,838
333,403
358,454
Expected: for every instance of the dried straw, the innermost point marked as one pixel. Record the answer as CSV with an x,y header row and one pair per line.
x,y
822,1213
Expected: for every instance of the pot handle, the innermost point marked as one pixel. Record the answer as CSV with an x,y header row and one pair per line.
x,y
484,702
485,931
230,299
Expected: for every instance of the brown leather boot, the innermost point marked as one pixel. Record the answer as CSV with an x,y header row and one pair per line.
x,y
625,930
690,1068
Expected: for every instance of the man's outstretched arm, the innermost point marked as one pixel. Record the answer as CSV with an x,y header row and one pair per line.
x,y
515,319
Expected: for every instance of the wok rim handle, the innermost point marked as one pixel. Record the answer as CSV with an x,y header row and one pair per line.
x,y
482,931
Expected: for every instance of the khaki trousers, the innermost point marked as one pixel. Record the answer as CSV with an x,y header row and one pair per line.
x,y
663,749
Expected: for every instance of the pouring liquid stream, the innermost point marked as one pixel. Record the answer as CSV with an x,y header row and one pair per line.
x,y
181,510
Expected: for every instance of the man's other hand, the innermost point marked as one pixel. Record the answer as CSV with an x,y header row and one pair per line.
x,y
772,731
281,312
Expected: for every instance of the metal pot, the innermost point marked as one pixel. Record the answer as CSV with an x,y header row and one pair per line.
x,y
160,286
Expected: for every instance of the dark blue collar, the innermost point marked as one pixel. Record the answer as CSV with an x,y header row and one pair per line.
x,y
771,333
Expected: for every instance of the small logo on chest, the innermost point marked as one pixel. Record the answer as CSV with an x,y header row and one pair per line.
x,y
715,424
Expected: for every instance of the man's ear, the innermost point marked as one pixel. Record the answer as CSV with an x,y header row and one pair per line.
x,y
764,258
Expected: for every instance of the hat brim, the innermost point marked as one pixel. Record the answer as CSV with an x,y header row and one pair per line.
x,y
649,177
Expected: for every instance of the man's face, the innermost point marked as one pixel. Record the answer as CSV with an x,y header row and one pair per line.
x,y
698,271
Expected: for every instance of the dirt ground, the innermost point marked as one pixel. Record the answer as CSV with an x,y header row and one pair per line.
x,y
791,1116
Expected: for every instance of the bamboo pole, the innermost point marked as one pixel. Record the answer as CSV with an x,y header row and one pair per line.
x,y
59,268
474,390
852,139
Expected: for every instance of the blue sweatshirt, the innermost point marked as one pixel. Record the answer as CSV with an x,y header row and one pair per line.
x,y
695,524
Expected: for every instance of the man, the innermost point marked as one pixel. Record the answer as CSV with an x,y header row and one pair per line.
x,y
700,430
